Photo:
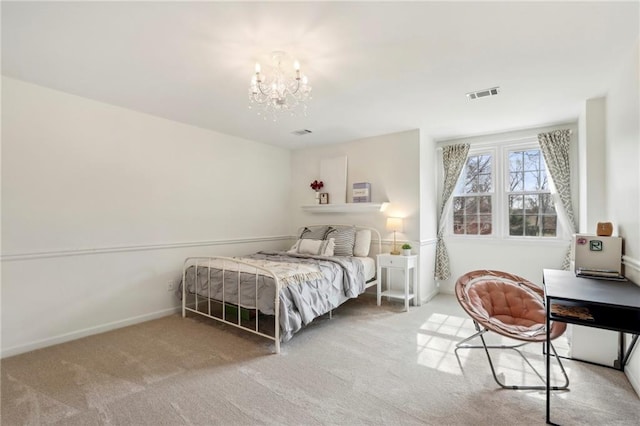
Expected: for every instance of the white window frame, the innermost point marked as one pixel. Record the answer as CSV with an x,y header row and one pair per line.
x,y
523,146
475,152
499,184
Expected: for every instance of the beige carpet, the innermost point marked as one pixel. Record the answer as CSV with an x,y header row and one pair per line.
x,y
368,365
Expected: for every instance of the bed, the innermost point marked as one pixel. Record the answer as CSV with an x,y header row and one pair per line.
x,y
276,293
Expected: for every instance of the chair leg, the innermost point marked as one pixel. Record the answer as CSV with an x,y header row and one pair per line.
x,y
480,333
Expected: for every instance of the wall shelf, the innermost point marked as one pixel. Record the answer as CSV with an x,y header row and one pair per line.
x,y
345,208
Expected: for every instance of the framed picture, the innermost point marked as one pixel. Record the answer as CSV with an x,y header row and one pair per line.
x,y
324,198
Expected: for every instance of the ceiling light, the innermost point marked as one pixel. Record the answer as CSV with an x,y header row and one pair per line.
x,y
275,92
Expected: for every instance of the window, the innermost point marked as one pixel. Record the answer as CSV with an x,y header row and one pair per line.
x,y
518,205
472,205
531,210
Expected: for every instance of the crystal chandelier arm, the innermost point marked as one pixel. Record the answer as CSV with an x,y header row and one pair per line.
x,y
293,91
263,91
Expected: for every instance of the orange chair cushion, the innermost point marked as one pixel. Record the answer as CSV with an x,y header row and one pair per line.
x,y
506,304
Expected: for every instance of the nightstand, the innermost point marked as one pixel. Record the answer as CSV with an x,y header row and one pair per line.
x,y
404,263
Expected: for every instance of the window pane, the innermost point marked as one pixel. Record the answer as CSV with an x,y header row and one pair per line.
x,y
549,226
531,160
515,224
546,204
485,224
533,181
458,205
544,182
477,175
471,205
516,181
516,214
515,162
484,182
470,184
467,219
484,164
516,204
485,204
472,225
532,227
531,204
458,224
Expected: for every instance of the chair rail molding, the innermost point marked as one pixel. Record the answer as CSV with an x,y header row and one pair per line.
x,y
142,247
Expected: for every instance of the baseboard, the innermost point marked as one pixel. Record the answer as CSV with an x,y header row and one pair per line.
x,y
39,344
634,379
430,296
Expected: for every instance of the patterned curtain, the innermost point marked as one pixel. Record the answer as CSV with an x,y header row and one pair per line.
x,y
453,160
555,149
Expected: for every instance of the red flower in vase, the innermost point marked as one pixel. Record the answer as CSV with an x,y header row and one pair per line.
x,y
316,185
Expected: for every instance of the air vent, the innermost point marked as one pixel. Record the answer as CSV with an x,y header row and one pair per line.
x,y
301,132
483,93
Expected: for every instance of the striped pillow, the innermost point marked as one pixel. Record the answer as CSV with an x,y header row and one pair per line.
x,y
314,233
345,237
319,247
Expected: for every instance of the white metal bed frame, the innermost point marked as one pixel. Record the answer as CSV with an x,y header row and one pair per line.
x,y
235,266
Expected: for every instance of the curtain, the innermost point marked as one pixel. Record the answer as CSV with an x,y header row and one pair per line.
x,y
453,160
555,149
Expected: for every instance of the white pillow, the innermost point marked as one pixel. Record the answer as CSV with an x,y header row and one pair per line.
x,y
363,243
319,247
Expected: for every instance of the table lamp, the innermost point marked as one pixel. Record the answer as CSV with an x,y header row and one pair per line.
x,y
394,224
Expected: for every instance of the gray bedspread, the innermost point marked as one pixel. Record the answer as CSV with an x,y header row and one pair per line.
x,y
342,279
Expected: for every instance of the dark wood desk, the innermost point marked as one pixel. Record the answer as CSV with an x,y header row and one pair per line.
x,y
614,305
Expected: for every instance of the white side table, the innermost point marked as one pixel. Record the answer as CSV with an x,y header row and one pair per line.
x,y
405,263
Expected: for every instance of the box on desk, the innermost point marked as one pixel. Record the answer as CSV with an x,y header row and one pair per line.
x,y
597,256
362,192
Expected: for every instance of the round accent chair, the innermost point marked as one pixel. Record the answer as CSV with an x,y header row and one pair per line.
x,y
511,306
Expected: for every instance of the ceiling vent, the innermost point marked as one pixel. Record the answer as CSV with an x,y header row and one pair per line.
x,y
301,132
483,93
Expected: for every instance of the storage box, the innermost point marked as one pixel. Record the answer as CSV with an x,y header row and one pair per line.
x,y
231,313
362,192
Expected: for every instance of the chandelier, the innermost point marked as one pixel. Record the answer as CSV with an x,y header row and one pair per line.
x,y
276,92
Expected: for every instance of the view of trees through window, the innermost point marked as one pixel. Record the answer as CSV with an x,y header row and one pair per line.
x,y
472,207
530,209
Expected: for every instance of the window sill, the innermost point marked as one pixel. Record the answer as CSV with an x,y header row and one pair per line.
x,y
555,242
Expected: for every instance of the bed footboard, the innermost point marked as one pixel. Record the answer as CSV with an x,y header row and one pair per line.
x,y
228,290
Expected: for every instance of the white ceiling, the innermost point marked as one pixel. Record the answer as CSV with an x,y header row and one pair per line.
x,y
375,68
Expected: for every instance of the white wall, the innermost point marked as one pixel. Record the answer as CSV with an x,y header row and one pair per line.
x,y
100,206
391,163
623,172
524,258
428,214
592,136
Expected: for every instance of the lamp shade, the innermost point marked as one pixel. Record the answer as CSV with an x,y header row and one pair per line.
x,y
394,224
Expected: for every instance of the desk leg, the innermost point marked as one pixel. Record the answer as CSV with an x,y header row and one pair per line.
x,y
618,363
548,364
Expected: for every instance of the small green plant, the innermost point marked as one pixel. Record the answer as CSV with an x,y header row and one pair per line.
x,y
406,246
